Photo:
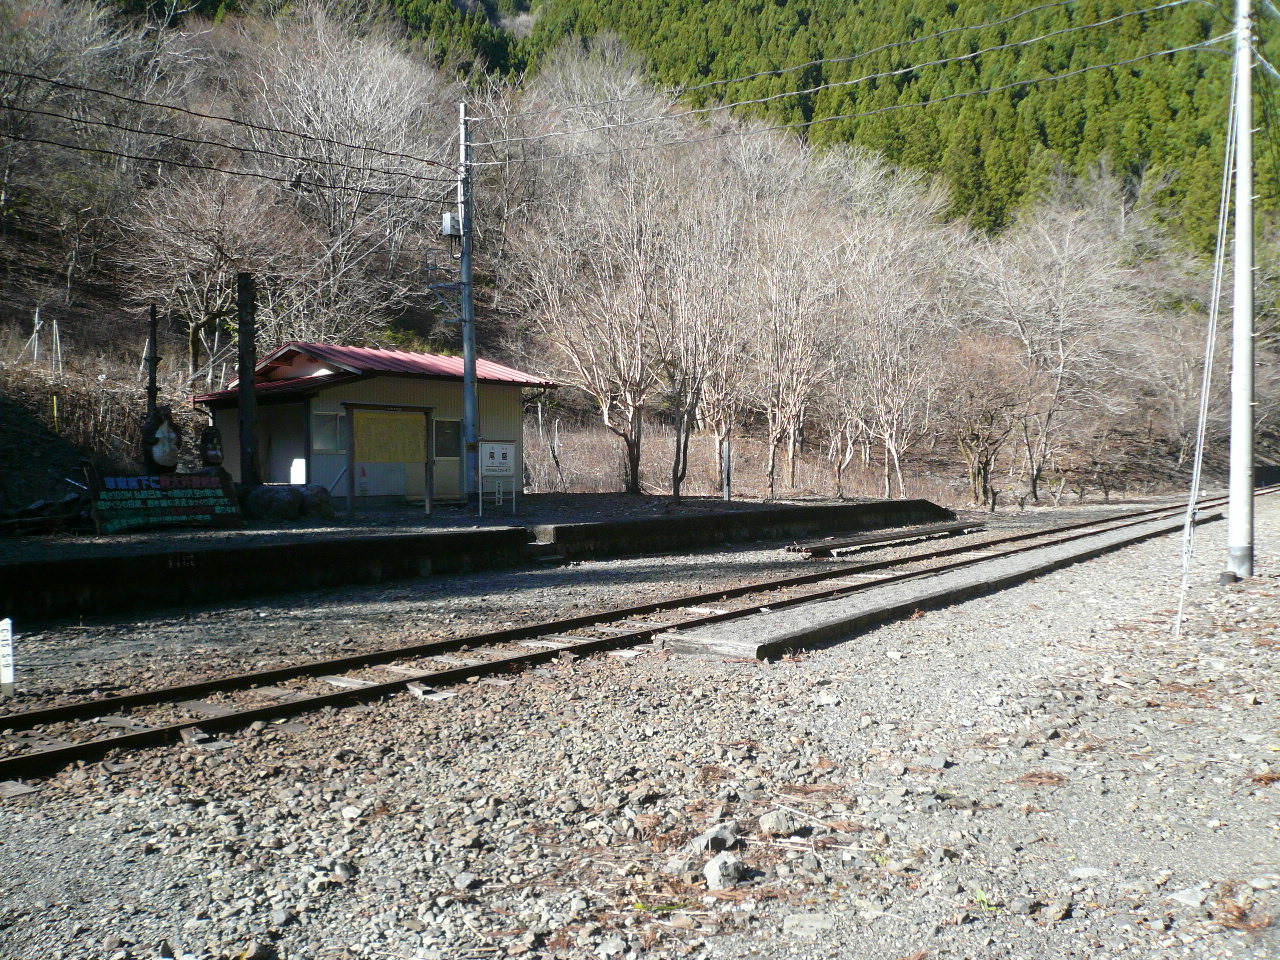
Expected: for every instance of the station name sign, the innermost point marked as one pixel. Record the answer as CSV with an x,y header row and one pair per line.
x,y
175,499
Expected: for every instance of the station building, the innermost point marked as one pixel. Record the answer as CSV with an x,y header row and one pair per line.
x,y
378,425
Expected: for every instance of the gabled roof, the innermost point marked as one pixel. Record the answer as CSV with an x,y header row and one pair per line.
x,y
299,368
365,360
299,386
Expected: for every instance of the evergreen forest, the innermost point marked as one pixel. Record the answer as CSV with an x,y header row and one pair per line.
x,y
1157,123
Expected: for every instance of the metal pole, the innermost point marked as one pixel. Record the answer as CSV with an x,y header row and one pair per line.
x,y
153,361
246,318
1240,501
470,406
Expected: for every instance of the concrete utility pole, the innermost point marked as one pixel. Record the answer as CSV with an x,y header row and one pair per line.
x,y
246,319
470,405
1240,502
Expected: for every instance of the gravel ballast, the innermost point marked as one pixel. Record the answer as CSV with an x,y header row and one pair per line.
x,y
1045,772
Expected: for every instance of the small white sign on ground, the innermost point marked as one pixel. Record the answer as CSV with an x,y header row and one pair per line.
x,y
6,657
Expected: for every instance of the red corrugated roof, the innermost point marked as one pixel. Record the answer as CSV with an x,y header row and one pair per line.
x,y
279,387
373,360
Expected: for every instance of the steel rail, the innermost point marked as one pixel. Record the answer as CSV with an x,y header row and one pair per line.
x,y
50,759
355,661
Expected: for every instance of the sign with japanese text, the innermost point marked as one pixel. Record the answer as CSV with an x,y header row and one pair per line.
x,y
497,459
175,499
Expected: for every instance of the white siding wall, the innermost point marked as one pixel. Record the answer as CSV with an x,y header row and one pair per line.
x,y
501,421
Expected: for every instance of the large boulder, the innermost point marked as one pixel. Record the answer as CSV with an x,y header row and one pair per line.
x,y
271,502
316,501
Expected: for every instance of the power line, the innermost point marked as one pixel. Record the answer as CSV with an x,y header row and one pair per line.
x,y
681,91
717,108
858,116
196,141
1210,348
261,128
293,182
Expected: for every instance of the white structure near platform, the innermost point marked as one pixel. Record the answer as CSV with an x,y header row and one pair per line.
x,y
376,425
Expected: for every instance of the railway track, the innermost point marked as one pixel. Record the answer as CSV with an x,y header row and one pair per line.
x,y
41,741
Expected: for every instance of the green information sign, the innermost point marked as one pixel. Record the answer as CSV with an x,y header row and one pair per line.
x,y
176,499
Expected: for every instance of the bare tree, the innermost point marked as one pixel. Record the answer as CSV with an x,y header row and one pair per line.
x,y
1060,285
191,236
344,81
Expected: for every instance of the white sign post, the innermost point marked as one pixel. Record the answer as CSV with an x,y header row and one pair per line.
x,y
6,658
498,464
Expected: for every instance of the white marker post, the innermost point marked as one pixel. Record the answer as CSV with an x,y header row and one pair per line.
x,y
6,658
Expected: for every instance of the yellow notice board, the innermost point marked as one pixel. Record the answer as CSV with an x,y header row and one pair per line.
x,y
387,436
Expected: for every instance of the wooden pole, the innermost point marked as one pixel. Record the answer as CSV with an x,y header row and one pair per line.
x,y
152,362
248,400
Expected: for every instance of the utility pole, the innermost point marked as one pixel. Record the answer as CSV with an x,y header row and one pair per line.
x,y
153,391
470,406
246,319
1240,500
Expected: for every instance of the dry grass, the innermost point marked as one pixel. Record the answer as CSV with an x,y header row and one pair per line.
x,y
91,409
1265,779
1234,913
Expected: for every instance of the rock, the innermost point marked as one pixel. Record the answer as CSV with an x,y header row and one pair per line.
x,y
678,866
351,812
273,502
827,698
342,871
1024,906
316,501
1086,873
723,871
464,881
611,947
934,763
778,823
808,924
1192,896
1058,910
723,836
256,950
281,917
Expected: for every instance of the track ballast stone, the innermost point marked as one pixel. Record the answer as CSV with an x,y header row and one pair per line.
x,y
1043,773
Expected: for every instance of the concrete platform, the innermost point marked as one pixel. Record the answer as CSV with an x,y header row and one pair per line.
x,y
830,621
235,568
93,585
582,541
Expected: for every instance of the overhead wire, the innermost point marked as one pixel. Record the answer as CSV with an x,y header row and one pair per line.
x,y
835,84
238,148
189,165
804,124
248,124
1210,348
684,90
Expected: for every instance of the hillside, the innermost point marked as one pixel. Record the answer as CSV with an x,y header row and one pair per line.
x,y
1157,123
685,267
